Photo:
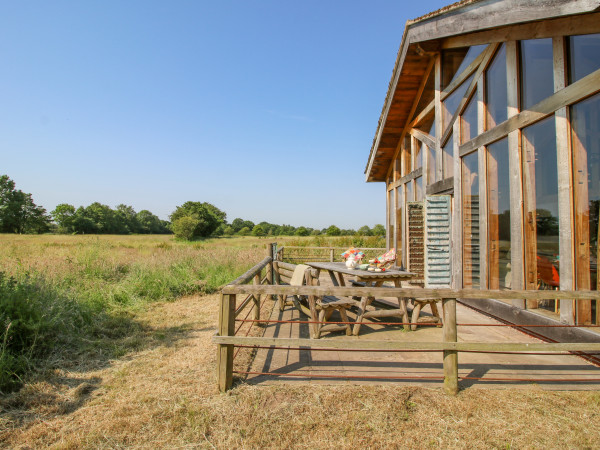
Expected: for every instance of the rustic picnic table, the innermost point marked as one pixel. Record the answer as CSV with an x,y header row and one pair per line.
x,y
337,270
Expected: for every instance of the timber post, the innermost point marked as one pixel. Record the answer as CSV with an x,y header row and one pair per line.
x,y
256,298
450,356
331,251
225,351
271,248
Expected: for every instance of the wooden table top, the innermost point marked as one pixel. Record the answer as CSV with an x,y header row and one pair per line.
x,y
340,267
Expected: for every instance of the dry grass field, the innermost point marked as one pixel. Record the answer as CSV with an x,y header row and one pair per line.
x,y
158,390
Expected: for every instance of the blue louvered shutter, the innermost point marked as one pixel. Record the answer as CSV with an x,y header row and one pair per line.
x,y
437,241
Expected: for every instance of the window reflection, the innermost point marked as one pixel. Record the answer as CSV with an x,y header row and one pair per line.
x,y
419,189
496,90
455,61
468,121
585,117
470,209
537,80
499,267
540,189
584,55
453,100
448,158
399,240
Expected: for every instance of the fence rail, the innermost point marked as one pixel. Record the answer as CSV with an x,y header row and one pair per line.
x,y
226,338
321,254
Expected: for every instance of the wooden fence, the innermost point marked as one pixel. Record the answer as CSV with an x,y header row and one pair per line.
x,y
226,339
300,254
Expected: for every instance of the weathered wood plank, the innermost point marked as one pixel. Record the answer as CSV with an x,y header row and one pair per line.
x,y
366,344
450,335
225,350
417,293
244,278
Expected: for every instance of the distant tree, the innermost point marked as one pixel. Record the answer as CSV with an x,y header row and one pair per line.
x,y
104,219
208,217
244,231
64,216
287,230
185,227
228,231
348,232
301,231
315,233
18,212
364,231
248,224
127,220
151,224
237,224
258,230
333,231
378,230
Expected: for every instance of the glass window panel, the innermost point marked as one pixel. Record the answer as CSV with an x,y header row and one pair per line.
x,y
496,90
585,119
406,153
418,154
468,121
410,196
499,215
448,158
540,189
455,61
431,169
399,240
537,72
453,100
470,210
584,55
419,189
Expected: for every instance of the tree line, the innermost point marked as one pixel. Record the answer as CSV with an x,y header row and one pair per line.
x,y
19,214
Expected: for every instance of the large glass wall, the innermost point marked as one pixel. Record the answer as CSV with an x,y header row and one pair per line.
x,y
455,61
452,102
419,192
470,210
399,219
540,190
537,81
496,90
585,119
499,267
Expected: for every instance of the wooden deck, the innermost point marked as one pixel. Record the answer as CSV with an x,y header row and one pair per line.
x,y
552,372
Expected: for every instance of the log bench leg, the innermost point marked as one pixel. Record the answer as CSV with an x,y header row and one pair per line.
x,y
415,315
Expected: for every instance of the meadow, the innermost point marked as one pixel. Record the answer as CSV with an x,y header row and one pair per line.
x,y
114,350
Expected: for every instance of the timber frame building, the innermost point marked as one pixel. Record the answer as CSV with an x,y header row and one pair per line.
x,y
489,145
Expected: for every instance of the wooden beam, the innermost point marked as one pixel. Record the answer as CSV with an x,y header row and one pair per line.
x,y
411,176
441,186
244,278
450,337
565,26
418,293
565,182
224,350
579,90
368,344
425,138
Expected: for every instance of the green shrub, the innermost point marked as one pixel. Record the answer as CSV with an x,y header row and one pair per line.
x,y
185,227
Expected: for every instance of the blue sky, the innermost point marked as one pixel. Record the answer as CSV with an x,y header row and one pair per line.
x,y
267,109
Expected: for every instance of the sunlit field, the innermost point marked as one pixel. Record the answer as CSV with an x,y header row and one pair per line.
x,y
109,346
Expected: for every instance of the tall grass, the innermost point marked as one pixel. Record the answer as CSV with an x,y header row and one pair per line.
x,y
70,294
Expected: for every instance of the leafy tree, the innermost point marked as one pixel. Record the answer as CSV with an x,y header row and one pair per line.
x,y
258,231
333,231
237,224
208,217
64,216
18,212
185,227
378,230
248,224
127,219
104,219
315,233
364,231
302,231
244,231
228,231
151,224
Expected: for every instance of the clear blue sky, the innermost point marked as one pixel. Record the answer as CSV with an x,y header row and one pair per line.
x,y
267,109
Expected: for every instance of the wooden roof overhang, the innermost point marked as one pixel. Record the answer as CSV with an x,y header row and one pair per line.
x,y
425,36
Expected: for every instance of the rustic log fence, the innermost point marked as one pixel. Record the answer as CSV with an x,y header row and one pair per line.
x,y
278,272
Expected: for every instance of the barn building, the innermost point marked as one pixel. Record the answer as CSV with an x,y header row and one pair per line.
x,y
489,146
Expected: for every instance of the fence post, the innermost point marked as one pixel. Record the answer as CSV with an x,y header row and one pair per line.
x,y
331,251
225,351
256,298
450,356
271,253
